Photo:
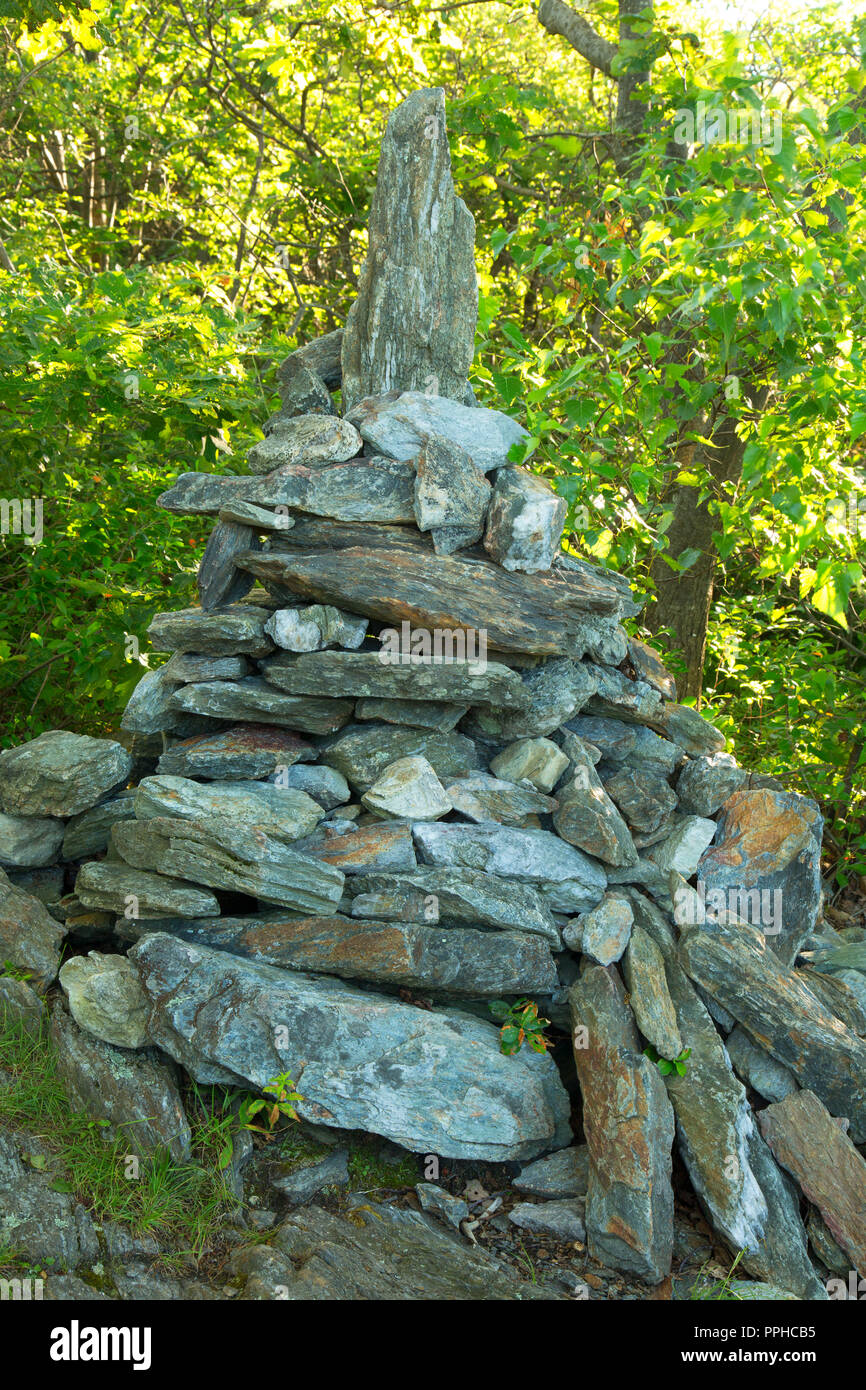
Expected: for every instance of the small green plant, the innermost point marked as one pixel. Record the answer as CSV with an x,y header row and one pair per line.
x,y
666,1065
520,1024
283,1100
13,972
720,1291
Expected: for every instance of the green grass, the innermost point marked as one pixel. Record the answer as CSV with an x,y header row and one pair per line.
x,y
181,1204
718,1292
368,1171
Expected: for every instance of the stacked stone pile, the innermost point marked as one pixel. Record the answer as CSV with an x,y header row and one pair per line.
x,y
406,752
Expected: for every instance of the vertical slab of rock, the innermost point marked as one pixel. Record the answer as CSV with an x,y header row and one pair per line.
x,y
629,1127
412,326
525,521
434,1082
218,580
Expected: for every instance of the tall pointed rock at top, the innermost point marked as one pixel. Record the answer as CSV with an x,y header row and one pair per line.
x,y
412,327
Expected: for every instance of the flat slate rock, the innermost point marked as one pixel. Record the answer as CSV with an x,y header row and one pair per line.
x,y
399,424
643,796
140,895
371,849
569,880
233,631
408,789
459,896
631,744
434,1082
254,698
412,325
705,783
563,1174
418,714
247,751
546,614
381,1254
367,674
535,760
559,1220
89,832
283,812
368,489
481,797
149,709
455,960
586,816
30,938
61,774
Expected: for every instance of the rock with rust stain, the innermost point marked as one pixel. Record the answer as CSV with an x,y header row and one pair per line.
x,y
247,751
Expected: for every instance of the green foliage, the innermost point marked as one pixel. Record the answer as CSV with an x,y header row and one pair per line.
x,y
668,1065
369,1171
283,1100
520,1024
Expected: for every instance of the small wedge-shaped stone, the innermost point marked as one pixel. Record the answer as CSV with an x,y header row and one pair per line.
x,y
316,627
257,518
235,631
418,714
398,425
241,860
681,850
569,880
89,833
643,795
449,490
149,709
755,1066
587,817
135,1094
366,850
60,774
362,753
283,812
629,1127
141,895
535,760
408,789
433,1082
454,960
190,668
30,938
649,667
29,842
302,390
481,797
253,699
644,972
563,1174
463,896
307,439
366,674
551,694
219,581
325,785
774,1003
524,522
617,697
246,751
412,325
682,725
809,1143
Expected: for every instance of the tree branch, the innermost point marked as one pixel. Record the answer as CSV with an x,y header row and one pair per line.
x,y
559,18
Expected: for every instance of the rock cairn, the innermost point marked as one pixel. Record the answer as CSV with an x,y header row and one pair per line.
x,y
405,752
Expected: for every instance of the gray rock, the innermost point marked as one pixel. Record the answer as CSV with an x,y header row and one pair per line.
x,y
606,930
651,1003
60,774
682,849
305,439
234,631
398,425
628,743
419,714
563,1220
412,326
535,760
571,881
254,699
563,1174
457,896
705,783
551,693
106,999
525,521
361,753
325,785
305,1183
134,1092
649,667
284,812
302,390
643,795
682,725
384,847
367,674
247,751
45,884
49,1226
28,842
480,797
368,489
257,518
754,1065
19,1004
316,627
140,895
450,493
629,1126
30,938
618,697
362,1061
443,1204
89,832
586,816
149,709
219,581
408,789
